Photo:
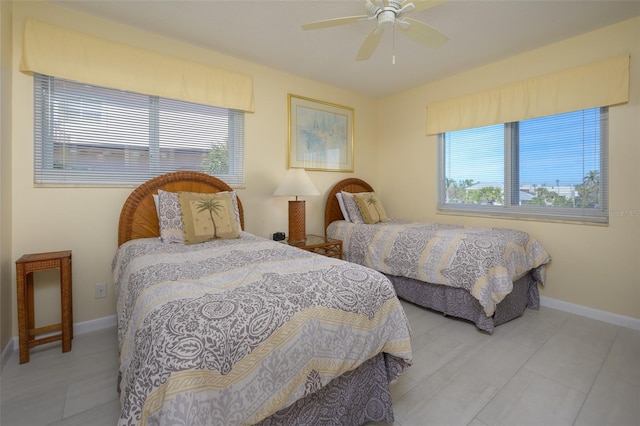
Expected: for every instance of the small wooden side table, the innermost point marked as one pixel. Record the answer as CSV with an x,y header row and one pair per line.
x,y
320,245
25,267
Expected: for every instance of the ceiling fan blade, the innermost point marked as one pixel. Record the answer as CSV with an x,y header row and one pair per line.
x,y
333,22
423,4
423,34
370,44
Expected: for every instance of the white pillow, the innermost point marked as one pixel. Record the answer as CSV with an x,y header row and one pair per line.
x,y
352,208
343,209
170,218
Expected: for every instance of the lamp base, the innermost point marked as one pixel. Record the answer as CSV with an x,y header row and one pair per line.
x,y
297,225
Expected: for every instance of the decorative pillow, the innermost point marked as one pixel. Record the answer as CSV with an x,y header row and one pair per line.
x,y
236,210
343,209
207,217
352,208
370,207
170,218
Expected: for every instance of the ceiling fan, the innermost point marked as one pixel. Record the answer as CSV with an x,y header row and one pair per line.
x,y
389,13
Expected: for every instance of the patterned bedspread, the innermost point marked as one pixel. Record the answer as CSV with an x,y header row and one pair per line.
x,y
484,261
230,331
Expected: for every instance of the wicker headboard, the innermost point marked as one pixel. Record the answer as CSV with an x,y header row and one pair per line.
x,y
138,218
332,208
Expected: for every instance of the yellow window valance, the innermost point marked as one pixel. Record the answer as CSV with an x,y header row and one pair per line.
x,y
58,52
603,83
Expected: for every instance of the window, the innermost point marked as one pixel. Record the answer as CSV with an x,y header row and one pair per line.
x,y
94,135
551,167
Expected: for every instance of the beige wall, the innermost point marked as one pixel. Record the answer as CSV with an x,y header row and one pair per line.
x,y
593,266
6,261
85,219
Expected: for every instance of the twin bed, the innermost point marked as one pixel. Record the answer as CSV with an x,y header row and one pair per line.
x,y
485,275
246,330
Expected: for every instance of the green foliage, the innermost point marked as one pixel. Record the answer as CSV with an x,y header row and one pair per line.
x,y
457,191
217,160
491,195
461,193
544,197
588,194
589,191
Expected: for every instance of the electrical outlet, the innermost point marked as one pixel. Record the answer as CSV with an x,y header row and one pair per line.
x,y
101,290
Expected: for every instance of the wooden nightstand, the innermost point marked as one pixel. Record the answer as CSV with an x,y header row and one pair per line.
x,y
321,245
25,267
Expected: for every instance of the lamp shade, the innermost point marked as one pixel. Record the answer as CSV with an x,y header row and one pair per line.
x,y
296,183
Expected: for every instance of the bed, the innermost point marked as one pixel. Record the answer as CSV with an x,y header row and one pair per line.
x,y
485,275
246,330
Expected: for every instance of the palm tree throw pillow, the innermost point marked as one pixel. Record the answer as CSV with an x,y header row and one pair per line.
x,y
370,207
207,217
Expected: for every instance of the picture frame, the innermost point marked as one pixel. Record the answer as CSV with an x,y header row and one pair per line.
x,y
320,135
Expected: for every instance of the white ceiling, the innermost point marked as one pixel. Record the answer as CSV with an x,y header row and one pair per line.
x,y
268,32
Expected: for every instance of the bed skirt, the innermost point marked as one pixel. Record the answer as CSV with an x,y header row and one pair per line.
x,y
458,302
354,398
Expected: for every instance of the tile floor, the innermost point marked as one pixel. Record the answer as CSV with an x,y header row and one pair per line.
x,y
546,368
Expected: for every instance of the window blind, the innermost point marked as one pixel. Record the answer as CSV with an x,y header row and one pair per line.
x,y
553,168
86,134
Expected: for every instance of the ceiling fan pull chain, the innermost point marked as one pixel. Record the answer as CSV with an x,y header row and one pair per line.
x,y
393,56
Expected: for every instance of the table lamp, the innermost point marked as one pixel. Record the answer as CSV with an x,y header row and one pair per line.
x,y
296,183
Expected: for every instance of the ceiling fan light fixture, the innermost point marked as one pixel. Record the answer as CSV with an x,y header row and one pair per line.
x,y
386,18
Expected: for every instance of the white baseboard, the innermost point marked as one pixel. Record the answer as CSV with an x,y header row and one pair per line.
x,y
6,353
584,311
94,325
78,328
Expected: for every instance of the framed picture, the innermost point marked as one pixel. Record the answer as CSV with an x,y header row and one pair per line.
x,y
320,135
